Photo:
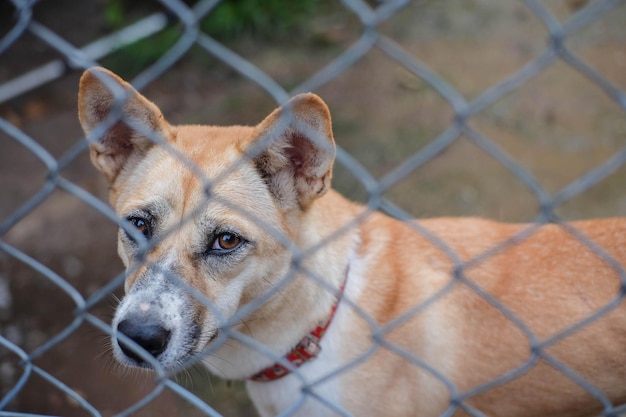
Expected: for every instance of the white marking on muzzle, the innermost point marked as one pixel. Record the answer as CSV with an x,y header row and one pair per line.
x,y
158,299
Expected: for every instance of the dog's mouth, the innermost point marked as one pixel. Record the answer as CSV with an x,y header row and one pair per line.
x,y
213,337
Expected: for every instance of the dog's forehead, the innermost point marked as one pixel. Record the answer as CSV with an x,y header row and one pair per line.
x,y
212,149
200,162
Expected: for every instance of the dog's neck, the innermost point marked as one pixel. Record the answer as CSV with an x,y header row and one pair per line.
x,y
308,348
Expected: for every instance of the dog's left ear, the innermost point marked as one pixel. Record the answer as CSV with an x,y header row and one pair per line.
x,y
127,137
294,150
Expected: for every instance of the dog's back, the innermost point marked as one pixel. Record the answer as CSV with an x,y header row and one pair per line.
x,y
512,326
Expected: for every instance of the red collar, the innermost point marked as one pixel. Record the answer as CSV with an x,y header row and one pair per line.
x,y
307,349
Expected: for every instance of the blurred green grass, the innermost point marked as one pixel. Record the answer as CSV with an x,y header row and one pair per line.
x,y
228,21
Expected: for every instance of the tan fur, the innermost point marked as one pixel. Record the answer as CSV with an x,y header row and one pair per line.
x,y
271,184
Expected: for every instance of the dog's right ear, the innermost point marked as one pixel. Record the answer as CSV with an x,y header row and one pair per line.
x,y
105,100
294,150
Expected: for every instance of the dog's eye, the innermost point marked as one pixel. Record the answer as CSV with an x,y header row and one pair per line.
x,y
226,242
142,225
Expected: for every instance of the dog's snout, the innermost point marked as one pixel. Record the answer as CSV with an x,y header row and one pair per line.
x,y
153,337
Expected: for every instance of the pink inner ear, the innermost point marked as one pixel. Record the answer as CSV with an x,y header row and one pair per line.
x,y
301,153
100,110
119,138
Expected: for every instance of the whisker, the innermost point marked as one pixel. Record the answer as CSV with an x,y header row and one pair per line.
x,y
115,298
183,377
216,369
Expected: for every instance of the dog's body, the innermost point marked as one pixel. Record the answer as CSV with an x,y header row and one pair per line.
x,y
227,226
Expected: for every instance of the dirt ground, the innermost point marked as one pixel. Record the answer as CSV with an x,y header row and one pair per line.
x,y
557,126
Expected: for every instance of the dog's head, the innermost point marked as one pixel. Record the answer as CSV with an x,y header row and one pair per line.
x,y
207,212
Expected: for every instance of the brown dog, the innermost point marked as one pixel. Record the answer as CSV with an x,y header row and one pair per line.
x,y
238,250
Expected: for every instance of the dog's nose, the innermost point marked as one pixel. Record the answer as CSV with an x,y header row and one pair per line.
x,y
153,337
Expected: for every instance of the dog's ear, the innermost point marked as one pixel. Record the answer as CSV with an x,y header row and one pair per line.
x,y
128,121
294,150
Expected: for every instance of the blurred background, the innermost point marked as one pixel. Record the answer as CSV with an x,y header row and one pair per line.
x,y
556,126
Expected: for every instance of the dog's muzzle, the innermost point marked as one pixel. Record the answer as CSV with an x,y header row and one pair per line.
x,y
158,316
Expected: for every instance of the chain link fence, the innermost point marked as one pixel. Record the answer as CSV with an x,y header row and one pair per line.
x,y
44,366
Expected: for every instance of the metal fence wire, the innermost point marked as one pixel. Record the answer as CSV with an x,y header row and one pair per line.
x,y
23,369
